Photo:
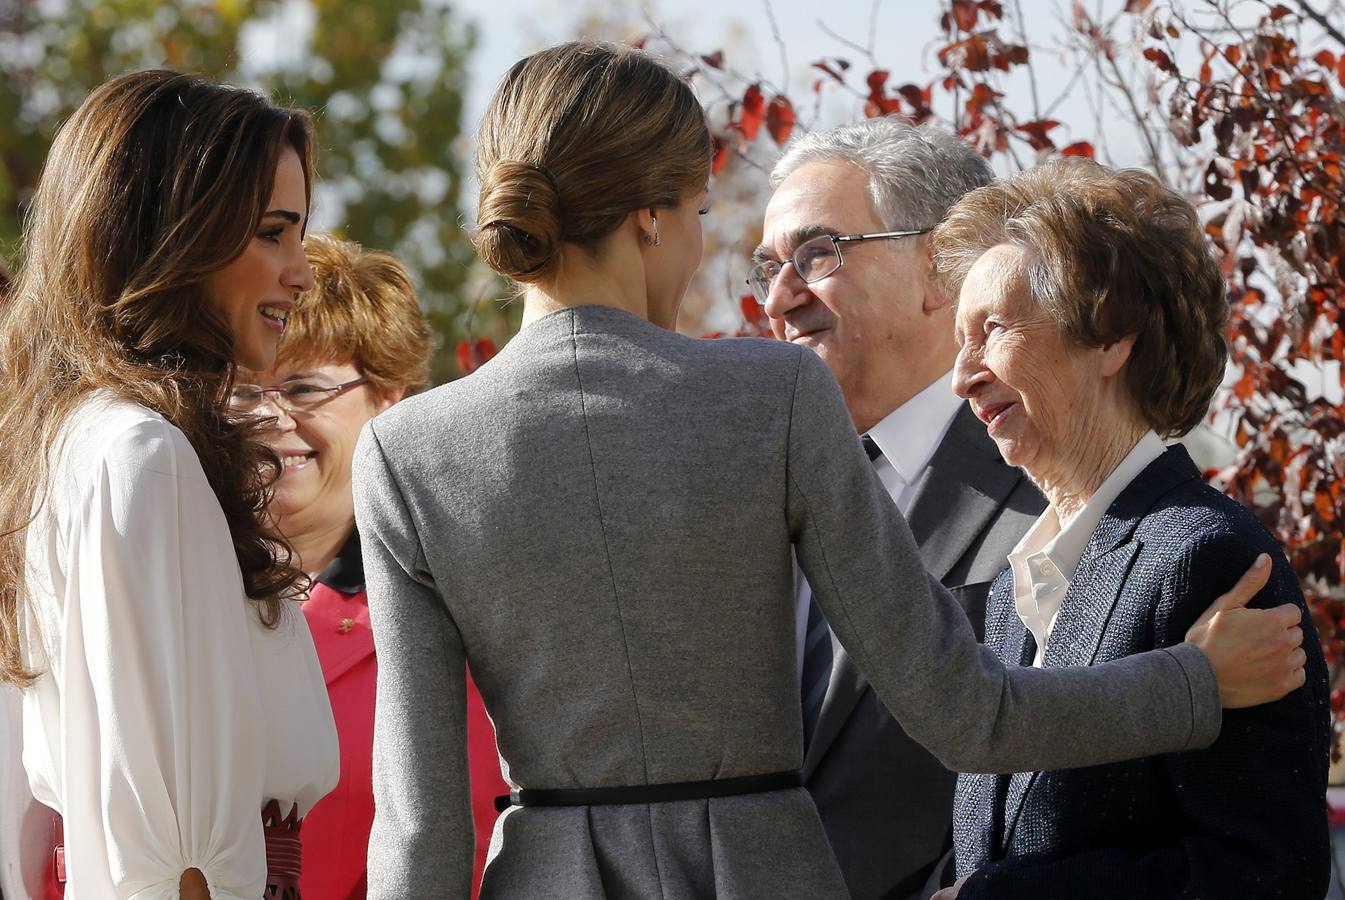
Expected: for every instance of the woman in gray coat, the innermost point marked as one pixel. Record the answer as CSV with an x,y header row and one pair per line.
x,y
603,522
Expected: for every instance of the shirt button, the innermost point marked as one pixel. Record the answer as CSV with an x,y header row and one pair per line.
x,y
1047,568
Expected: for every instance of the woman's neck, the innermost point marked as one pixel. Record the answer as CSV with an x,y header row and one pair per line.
x,y
315,548
1074,480
617,281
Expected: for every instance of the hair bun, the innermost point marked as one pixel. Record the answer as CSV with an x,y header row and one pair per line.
x,y
519,220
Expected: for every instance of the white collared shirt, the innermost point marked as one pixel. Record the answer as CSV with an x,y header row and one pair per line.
x,y
1045,560
908,437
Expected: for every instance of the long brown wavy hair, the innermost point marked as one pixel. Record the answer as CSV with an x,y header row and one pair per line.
x,y
158,180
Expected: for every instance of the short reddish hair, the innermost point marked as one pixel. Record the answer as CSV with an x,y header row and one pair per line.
x,y
362,310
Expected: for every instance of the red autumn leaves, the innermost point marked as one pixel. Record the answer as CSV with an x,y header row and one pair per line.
x,y
472,355
748,114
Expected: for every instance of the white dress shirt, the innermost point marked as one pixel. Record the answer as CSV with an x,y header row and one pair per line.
x,y
26,829
1045,560
166,712
908,437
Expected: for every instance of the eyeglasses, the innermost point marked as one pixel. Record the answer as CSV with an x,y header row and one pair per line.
x,y
814,259
299,397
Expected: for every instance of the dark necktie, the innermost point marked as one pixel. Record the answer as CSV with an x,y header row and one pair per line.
x,y
817,651
817,658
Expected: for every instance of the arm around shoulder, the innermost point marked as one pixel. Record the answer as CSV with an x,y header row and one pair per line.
x,y
916,647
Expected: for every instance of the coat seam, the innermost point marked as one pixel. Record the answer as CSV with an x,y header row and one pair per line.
x,y
611,574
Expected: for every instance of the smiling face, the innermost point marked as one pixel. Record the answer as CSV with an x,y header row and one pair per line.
x,y
254,293
1045,398
878,321
313,493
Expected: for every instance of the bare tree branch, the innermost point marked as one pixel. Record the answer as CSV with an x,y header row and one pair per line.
x,y
1121,85
780,43
1064,94
1322,21
1031,71
1103,146
868,52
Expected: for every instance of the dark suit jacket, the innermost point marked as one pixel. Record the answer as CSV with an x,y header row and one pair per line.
x,y
1245,818
886,803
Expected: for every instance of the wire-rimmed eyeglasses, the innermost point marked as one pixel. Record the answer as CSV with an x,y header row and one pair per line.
x,y
299,397
815,259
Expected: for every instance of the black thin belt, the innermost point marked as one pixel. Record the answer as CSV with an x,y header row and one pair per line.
x,y
651,793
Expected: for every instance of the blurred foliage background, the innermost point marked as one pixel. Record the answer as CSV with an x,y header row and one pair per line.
x,y
384,80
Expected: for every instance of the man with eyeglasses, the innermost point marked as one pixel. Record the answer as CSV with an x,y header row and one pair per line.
x,y
843,268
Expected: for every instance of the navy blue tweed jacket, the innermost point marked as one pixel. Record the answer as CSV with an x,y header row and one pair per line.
x,y
1245,818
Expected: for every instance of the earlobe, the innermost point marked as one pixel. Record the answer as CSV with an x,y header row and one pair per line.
x,y
936,298
1115,355
646,222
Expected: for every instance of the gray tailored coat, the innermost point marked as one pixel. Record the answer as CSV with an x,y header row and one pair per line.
x,y
600,520
885,801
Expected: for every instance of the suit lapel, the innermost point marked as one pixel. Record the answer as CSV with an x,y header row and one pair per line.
x,y
1088,605
959,493
981,798
1096,588
1078,630
844,691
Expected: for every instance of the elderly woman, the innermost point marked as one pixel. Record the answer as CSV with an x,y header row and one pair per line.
x,y
356,345
1090,319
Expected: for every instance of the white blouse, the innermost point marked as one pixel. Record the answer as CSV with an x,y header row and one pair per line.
x,y
166,714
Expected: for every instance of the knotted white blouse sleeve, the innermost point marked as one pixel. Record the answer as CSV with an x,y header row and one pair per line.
x,y
166,714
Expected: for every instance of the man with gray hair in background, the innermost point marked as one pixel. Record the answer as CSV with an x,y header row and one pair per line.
x,y
843,268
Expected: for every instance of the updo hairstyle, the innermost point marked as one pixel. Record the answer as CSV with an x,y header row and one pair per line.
x,y
577,138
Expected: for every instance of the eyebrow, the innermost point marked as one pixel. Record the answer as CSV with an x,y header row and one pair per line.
x,y
299,376
792,239
288,215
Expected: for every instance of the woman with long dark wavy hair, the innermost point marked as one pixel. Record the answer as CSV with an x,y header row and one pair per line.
x,y
174,711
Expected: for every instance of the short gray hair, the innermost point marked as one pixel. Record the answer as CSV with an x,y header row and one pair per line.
x,y
916,172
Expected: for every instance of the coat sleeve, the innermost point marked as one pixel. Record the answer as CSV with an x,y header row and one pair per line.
x,y
422,840
162,743
916,647
1250,810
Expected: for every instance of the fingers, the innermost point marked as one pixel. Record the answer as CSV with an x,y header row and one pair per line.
x,y
1288,615
1248,586
1257,654
1297,675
